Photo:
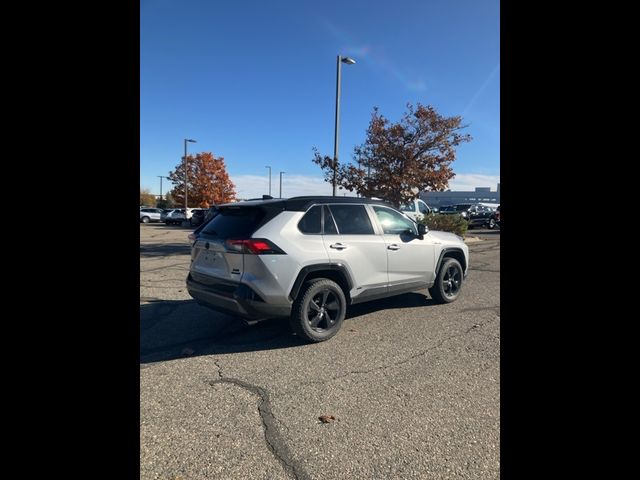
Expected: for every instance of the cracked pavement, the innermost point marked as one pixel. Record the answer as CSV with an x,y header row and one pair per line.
x,y
414,386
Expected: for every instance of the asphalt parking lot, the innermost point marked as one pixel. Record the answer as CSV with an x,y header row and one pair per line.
x,y
414,387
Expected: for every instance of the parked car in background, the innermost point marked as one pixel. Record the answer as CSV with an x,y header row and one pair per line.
x,y
178,216
475,214
197,216
150,215
165,212
309,258
498,215
416,209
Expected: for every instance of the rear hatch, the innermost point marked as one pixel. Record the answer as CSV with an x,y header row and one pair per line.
x,y
216,255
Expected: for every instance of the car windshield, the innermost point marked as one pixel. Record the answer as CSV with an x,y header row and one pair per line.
x,y
461,207
410,207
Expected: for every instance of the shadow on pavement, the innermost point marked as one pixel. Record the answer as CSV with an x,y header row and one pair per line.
x,y
171,330
164,249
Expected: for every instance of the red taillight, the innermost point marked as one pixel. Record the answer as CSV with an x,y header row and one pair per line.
x,y
255,246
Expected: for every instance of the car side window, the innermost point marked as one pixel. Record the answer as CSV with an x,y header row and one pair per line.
x,y
311,222
423,207
393,222
329,222
351,220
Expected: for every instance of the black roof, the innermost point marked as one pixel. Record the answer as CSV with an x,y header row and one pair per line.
x,y
301,204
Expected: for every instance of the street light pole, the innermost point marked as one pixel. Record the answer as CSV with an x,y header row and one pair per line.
x,y
186,175
281,183
269,178
161,177
348,61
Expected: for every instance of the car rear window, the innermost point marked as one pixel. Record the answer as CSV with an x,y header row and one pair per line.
x,y
234,222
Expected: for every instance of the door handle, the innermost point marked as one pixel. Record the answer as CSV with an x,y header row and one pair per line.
x,y
338,246
393,246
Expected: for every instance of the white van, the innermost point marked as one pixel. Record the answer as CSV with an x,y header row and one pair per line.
x,y
416,209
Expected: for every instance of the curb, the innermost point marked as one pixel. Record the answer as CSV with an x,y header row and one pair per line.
x,y
472,239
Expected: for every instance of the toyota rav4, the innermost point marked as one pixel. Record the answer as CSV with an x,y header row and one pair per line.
x,y
308,258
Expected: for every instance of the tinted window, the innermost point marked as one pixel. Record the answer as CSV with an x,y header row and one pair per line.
x,y
422,206
234,222
329,223
411,207
351,219
312,221
393,222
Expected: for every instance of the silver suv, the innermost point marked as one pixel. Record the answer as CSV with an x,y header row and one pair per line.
x,y
308,258
150,214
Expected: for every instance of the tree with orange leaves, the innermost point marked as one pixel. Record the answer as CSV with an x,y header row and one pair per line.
x,y
208,181
399,160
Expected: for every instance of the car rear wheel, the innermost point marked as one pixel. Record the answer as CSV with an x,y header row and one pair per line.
x,y
448,282
319,310
145,219
492,223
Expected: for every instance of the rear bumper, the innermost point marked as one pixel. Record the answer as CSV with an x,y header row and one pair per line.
x,y
234,299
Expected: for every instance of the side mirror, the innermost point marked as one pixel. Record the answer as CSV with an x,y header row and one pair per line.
x,y
422,229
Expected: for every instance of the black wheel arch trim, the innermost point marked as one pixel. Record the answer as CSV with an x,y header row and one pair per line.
x,y
305,271
445,251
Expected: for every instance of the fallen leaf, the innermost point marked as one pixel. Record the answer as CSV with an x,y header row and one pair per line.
x,y
326,418
352,329
476,325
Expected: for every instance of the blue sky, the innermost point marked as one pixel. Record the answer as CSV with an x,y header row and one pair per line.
x,y
254,82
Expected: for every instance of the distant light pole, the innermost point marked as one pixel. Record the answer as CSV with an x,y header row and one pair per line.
x,y
269,178
186,174
281,183
348,61
161,177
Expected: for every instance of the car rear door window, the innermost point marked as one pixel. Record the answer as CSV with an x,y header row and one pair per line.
x,y
351,220
329,223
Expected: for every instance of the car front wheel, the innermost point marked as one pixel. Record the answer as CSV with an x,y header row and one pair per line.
x,y
145,219
448,282
492,223
319,310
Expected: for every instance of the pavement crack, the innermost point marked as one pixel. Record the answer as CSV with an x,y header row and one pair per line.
x,y
273,438
495,309
215,362
394,364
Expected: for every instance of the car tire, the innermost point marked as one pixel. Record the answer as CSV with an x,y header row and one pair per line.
x,y
144,219
492,223
446,288
321,302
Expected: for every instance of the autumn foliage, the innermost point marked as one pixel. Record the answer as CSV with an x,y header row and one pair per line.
x,y
147,199
399,160
208,181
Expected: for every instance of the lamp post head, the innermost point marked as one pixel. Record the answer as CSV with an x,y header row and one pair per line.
x,y
190,140
348,60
